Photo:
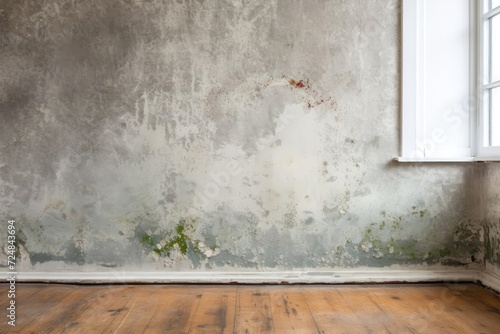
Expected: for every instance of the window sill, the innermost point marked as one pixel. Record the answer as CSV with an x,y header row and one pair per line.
x,y
464,159
487,159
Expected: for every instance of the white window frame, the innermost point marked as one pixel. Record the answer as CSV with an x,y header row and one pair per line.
x,y
413,126
484,85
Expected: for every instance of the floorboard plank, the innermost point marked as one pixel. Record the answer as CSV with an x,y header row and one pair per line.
x,y
478,294
118,319
403,307
215,311
62,312
142,307
370,311
433,315
23,292
331,312
103,307
41,308
253,311
181,309
290,311
176,309
442,303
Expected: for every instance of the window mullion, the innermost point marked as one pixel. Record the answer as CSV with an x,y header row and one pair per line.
x,y
491,13
492,85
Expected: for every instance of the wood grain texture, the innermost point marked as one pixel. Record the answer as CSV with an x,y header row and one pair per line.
x,y
253,311
332,313
175,312
370,312
190,309
215,312
290,311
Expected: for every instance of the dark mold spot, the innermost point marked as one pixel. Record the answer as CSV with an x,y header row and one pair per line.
x,y
44,257
74,254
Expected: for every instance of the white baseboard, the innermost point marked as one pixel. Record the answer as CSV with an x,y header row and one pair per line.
x,y
491,280
288,277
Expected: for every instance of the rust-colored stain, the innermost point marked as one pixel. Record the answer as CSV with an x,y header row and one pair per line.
x,y
315,99
297,84
317,103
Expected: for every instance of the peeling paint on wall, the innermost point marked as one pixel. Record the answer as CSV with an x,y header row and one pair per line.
x,y
220,135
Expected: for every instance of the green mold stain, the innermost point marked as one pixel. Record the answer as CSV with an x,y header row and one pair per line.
x,y
181,240
420,213
20,241
403,250
409,250
382,238
466,232
439,253
147,241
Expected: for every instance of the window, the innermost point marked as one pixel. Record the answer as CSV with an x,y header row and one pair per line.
x,y
489,79
451,80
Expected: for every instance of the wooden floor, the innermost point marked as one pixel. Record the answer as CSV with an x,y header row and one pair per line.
x,y
436,308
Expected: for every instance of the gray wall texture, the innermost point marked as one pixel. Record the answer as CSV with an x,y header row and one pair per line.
x,y
492,226
222,135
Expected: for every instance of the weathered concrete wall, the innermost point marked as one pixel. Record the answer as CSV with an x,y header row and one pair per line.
x,y
492,228
218,135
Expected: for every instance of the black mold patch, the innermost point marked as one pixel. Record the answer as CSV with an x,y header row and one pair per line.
x,y
74,254
45,257
71,255
492,244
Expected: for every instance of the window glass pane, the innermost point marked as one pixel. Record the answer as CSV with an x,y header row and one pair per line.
x,y
495,48
490,4
495,117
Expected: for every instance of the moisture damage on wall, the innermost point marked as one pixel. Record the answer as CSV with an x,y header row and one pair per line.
x,y
492,226
218,135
